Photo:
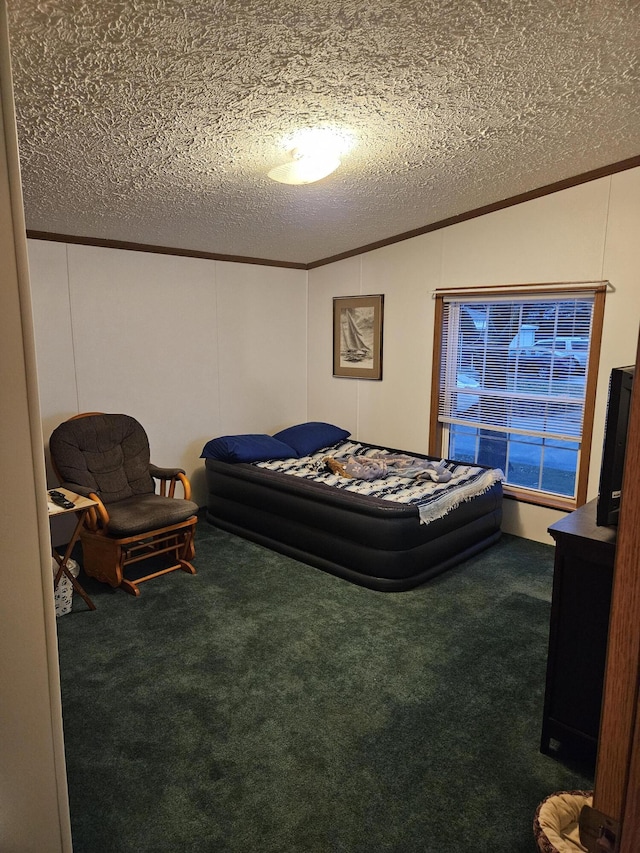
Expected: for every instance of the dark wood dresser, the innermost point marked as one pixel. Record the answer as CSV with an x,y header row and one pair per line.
x,y
581,600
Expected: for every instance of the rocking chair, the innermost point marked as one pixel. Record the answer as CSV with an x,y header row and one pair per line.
x,y
106,457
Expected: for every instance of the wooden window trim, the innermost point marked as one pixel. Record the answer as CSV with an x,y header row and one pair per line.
x,y
599,289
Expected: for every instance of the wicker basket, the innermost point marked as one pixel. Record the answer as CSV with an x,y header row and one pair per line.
x,y
555,825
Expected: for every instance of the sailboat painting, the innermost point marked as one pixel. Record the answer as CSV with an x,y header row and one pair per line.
x,y
357,336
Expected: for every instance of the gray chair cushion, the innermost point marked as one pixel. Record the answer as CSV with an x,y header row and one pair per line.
x,y
142,513
108,454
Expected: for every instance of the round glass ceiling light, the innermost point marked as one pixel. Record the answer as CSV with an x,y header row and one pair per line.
x,y
305,168
314,153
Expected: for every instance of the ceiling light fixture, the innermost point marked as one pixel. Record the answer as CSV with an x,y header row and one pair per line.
x,y
305,168
314,153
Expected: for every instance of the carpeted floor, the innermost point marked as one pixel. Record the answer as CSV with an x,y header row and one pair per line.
x,y
263,705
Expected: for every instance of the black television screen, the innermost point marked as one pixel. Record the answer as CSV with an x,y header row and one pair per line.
x,y
615,443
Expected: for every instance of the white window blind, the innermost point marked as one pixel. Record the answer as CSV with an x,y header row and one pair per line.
x,y
516,365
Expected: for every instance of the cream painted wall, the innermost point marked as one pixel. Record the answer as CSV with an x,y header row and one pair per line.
x,y
331,400
192,348
262,347
585,233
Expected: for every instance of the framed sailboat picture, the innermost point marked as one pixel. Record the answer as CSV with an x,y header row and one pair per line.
x,y
357,336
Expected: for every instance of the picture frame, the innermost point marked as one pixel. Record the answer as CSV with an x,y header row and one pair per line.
x,y
357,336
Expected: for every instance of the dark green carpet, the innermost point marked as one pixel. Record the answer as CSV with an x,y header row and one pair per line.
x,y
263,705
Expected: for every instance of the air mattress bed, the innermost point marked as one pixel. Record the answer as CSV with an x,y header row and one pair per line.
x,y
381,534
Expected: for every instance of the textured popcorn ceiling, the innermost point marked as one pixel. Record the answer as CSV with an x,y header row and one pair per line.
x,y
156,121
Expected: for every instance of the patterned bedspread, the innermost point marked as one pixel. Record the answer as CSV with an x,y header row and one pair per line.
x,y
432,499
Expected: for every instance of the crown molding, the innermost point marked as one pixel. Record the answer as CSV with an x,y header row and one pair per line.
x,y
548,189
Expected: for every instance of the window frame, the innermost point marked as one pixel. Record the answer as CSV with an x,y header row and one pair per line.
x,y
528,291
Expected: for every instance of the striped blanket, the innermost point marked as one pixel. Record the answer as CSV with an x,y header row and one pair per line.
x,y
433,500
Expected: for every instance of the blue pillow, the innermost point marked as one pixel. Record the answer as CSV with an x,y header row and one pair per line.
x,y
246,448
307,438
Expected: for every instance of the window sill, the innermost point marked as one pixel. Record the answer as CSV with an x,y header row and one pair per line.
x,y
540,498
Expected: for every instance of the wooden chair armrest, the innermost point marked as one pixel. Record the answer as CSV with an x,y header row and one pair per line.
x,y
168,478
97,517
186,485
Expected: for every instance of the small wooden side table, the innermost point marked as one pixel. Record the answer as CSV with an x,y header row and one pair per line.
x,y
81,507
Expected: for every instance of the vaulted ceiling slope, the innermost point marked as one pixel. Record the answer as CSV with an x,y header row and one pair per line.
x,y
156,121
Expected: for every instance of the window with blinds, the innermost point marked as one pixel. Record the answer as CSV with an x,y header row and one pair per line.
x,y
513,385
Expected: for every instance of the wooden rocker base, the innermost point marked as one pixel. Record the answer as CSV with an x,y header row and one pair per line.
x,y
132,586
106,558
